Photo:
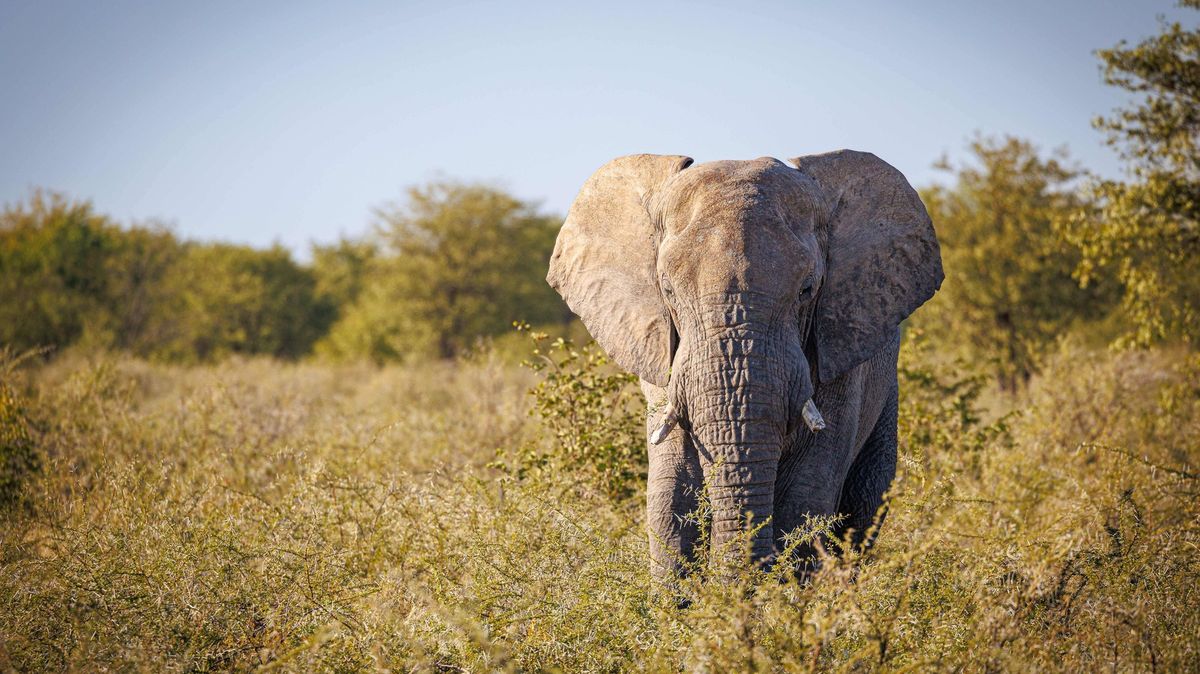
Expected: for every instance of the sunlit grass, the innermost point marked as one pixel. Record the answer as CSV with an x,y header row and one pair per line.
x,y
297,517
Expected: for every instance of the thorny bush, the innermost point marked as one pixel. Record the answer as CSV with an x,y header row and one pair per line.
x,y
592,417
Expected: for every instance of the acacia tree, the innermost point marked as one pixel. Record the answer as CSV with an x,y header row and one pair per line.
x,y
1145,230
1008,289
455,262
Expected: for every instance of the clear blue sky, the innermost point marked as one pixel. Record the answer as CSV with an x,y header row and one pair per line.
x,y
258,122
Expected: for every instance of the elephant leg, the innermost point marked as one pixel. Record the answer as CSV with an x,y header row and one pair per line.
x,y
672,496
868,480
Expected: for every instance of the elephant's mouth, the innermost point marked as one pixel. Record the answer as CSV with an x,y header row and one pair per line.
x,y
811,415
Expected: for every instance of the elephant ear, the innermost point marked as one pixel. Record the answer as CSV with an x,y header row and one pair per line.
x,y
883,259
605,260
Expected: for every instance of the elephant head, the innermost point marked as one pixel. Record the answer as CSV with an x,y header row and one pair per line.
x,y
740,286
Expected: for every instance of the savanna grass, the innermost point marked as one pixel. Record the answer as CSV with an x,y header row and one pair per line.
x,y
258,515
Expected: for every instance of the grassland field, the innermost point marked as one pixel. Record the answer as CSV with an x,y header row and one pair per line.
x,y
269,516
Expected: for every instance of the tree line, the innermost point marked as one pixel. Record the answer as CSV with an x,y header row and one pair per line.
x,y
452,264
1034,248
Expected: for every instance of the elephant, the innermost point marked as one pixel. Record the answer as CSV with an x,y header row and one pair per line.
x,y
759,303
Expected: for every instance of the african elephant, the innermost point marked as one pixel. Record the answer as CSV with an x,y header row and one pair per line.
x,y
760,305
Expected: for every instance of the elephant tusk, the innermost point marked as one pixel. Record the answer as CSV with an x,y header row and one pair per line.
x,y
668,424
812,416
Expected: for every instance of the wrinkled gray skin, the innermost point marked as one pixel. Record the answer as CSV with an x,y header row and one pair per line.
x,y
737,291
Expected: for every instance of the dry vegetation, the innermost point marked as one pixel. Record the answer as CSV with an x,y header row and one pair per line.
x,y
468,514
254,514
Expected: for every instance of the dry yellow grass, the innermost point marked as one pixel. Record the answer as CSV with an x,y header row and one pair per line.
x,y
258,515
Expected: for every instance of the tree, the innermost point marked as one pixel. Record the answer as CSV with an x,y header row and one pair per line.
x,y
456,262
1008,288
69,275
53,280
1146,230
341,269
227,298
141,260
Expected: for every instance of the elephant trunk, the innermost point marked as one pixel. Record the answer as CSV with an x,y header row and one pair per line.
x,y
738,413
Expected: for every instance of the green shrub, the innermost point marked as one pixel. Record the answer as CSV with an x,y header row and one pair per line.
x,y
593,417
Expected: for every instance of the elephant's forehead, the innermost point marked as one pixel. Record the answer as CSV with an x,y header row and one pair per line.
x,y
731,187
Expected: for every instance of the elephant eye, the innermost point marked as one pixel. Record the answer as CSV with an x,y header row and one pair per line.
x,y
666,285
807,287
